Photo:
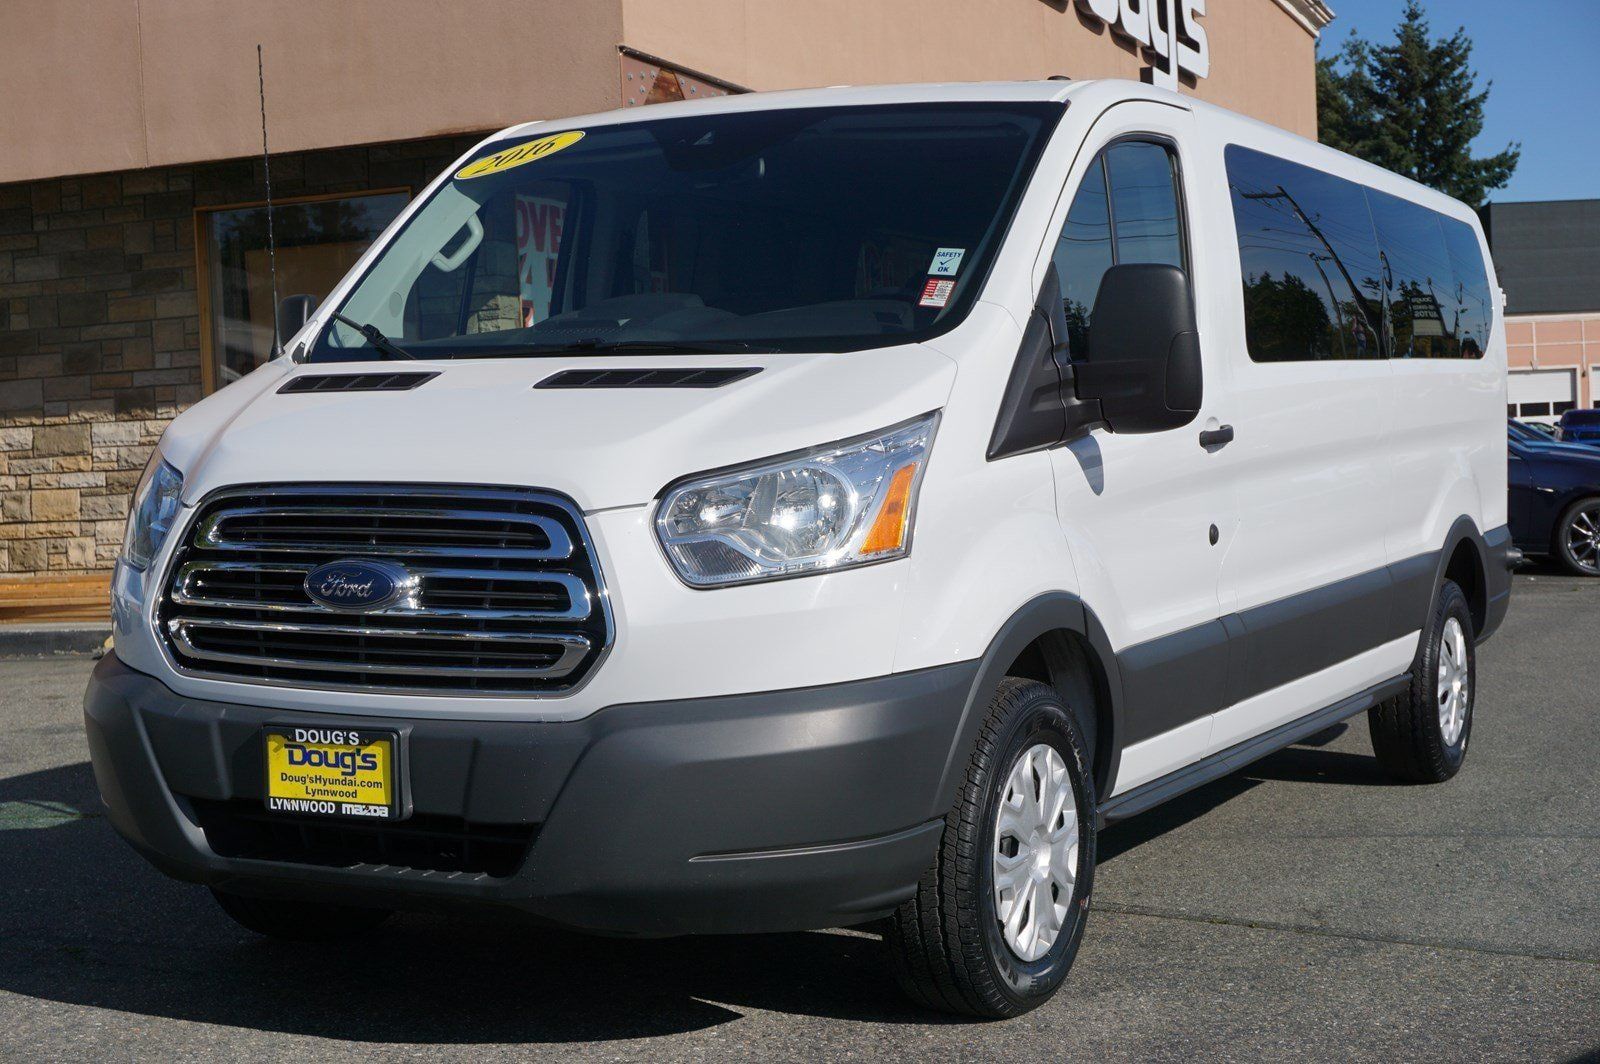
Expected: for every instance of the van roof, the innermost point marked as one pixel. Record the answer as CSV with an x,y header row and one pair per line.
x,y
845,96
1094,93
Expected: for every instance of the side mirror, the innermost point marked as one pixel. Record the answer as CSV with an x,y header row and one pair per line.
x,y
1143,357
293,313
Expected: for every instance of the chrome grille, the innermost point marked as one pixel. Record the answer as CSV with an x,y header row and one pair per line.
x,y
507,600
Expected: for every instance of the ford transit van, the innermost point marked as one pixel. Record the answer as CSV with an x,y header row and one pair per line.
x,y
811,509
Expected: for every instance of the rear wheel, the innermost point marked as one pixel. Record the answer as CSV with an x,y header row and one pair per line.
x,y
1421,736
1578,537
299,921
996,922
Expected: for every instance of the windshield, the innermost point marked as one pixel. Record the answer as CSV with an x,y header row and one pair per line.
x,y
821,229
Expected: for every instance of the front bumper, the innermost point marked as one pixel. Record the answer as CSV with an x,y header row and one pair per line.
x,y
780,811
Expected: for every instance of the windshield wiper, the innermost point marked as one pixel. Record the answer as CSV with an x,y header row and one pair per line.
x,y
377,339
667,347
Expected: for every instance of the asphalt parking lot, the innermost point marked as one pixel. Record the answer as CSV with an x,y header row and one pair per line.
x,y
1304,908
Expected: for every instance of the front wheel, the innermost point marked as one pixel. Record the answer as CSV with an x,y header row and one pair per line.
x,y
996,922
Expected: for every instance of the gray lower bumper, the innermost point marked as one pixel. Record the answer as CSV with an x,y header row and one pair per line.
x,y
779,811
1503,558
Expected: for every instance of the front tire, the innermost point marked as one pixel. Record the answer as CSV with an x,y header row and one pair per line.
x,y
996,922
299,921
1421,736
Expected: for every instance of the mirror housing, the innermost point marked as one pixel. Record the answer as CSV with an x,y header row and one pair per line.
x,y
293,313
1143,360
1038,410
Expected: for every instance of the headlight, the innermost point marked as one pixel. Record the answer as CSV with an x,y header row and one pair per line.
x,y
155,504
850,503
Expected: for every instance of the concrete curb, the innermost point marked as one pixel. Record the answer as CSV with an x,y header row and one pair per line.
x,y
50,640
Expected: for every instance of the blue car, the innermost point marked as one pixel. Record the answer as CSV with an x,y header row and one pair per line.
x,y
1580,426
1555,499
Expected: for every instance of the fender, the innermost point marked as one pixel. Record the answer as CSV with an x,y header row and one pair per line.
x,y
1050,612
1493,572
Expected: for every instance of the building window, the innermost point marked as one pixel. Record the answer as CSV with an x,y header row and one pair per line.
x,y
318,240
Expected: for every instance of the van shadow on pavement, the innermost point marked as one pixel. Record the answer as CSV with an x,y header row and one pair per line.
x,y
83,920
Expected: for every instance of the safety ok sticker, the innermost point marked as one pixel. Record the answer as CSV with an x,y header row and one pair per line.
x,y
526,152
936,293
946,262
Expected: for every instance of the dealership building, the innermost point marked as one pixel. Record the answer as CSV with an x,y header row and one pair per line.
x,y
1547,256
135,271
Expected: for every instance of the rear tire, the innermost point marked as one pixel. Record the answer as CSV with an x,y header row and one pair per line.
x,y
1027,793
299,921
1421,736
1577,537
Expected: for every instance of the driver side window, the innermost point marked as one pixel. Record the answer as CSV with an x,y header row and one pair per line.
x,y
1126,210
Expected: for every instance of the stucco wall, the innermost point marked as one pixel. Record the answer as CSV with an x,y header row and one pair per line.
x,y
98,85
1558,341
93,86
1262,60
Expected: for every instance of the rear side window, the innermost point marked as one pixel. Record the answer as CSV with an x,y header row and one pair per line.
x,y
1474,306
1335,270
1127,209
1312,288
1417,279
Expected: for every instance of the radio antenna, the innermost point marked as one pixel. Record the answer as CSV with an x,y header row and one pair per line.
x,y
266,168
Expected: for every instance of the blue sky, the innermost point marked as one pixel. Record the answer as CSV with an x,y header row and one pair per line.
x,y
1544,59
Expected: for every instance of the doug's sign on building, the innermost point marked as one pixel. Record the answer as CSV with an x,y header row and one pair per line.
x,y
1167,27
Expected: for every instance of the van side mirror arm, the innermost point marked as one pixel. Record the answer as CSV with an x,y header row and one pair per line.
x,y
1039,409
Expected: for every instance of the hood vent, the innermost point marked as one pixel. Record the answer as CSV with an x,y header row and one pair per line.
x,y
647,378
357,382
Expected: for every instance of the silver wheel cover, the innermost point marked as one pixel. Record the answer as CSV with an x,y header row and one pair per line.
x,y
1035,852
1453,681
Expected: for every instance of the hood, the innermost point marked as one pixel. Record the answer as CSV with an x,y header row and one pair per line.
x,y
483,422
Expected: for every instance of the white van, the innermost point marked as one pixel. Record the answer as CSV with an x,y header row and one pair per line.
x,y
808,509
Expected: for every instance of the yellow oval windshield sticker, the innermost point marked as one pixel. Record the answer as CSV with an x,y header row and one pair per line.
x,y
526,152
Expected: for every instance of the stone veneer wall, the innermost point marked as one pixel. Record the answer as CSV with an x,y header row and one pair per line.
x,y
100,331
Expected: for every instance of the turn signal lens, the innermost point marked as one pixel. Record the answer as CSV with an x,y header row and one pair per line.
x,y
889,530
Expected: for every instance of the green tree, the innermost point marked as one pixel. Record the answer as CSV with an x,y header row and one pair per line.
x,y
1412,106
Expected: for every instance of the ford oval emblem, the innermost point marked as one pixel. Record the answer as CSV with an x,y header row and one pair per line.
x,y
358,586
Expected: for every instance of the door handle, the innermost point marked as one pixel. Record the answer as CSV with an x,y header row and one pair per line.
x,y
1216,437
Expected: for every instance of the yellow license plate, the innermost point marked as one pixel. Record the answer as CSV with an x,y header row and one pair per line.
x,y
332,772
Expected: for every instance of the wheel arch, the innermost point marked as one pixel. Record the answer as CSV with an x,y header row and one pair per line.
x,y
1057,640
1464,560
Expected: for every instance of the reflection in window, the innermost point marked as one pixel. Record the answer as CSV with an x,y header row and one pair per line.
x,y
1144,206
1316,284
1310,261
317,243
1418,279
1137,222
1473,305
1083,253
